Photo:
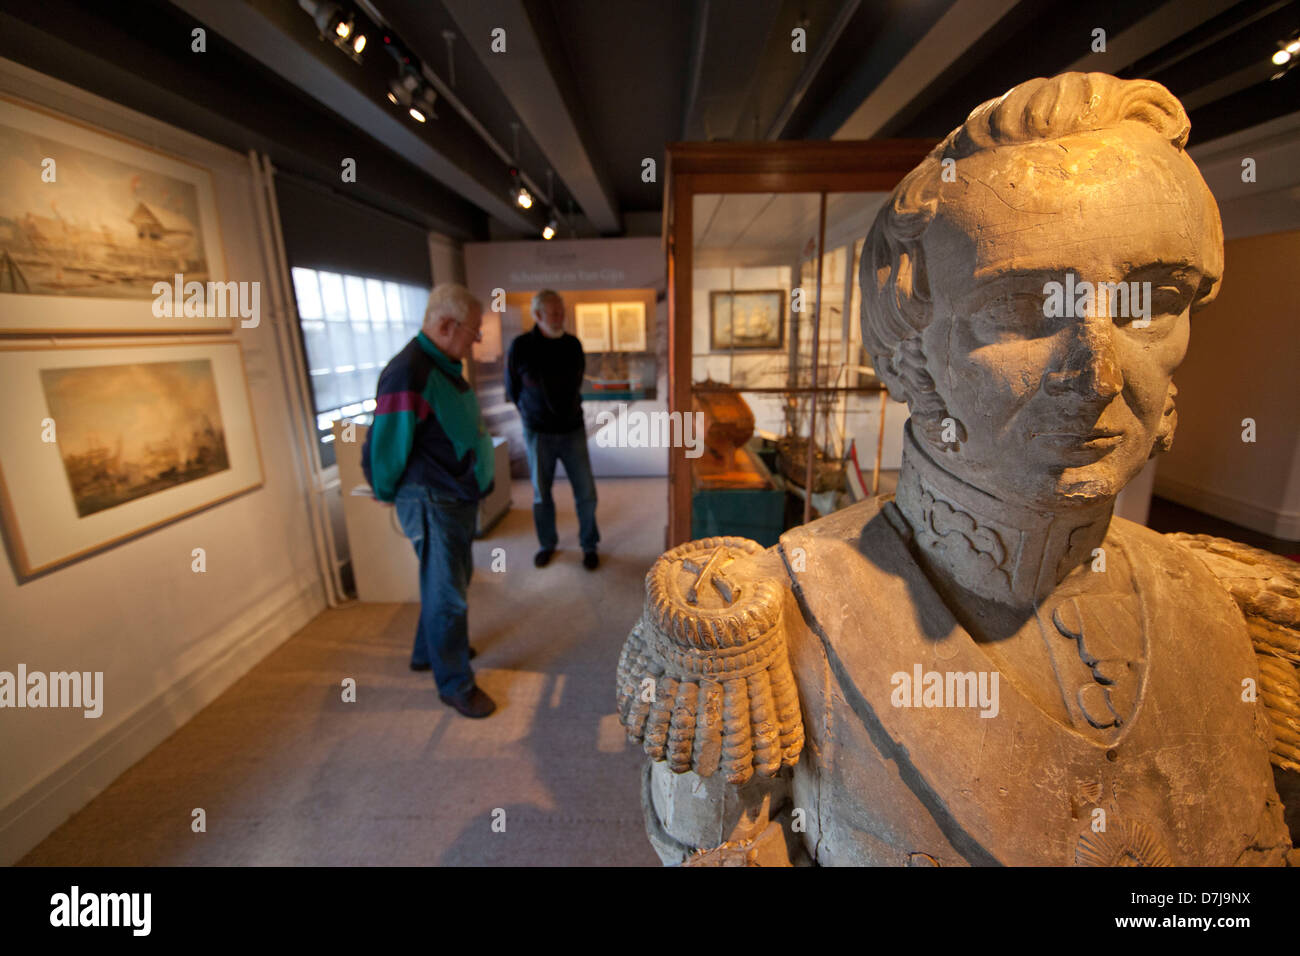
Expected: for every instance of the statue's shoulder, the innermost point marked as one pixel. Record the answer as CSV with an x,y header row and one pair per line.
x,y
1266,587
704,680
844,525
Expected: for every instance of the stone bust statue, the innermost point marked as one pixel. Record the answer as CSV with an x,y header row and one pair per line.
x,y
988,668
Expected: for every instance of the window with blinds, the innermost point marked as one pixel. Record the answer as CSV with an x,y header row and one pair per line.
x,y
351,326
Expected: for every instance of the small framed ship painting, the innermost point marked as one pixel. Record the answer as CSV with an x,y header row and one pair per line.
x,y
752,319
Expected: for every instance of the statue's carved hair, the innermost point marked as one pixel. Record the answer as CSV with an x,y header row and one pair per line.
x,y
896,295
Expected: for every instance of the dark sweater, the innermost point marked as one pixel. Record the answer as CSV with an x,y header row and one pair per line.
x,y
544,380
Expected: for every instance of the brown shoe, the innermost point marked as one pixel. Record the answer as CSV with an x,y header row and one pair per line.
x,y
472,703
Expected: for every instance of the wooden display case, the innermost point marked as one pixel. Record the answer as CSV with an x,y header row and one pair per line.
x,y
809,167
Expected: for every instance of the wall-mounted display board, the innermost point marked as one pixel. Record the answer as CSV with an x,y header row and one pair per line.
x,y
100,444
592,322
627,325
90,222
629,315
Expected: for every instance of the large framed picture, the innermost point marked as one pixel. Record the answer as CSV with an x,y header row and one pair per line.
x,y
100,444
749,319
91,223
592,322
627,322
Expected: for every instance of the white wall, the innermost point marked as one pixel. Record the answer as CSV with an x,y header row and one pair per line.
x,y
576,265
168,640
1241,363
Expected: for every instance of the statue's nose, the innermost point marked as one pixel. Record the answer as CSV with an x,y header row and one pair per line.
x,y
1090,367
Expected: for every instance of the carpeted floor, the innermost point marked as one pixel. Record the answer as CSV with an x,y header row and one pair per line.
x,y
287,773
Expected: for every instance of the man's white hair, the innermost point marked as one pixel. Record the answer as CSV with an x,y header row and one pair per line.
x,y
540,299
450,300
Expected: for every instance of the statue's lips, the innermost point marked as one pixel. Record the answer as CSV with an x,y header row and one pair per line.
x,y
1088,445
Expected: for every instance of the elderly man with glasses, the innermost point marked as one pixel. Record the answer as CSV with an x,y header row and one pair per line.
x,y
430,455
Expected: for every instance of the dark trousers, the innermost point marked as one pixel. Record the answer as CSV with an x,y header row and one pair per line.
x,y
544,450
442,532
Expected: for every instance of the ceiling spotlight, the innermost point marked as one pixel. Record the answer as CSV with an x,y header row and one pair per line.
x,y
520,196
411,92
424,99
327,16
549,231
337,25
1287,55
401,89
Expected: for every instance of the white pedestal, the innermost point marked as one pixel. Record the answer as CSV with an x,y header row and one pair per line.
x,y
383,561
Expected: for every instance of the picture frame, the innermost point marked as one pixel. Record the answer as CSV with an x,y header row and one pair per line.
x,y
591,319
761,320
627,325
102,444
91,222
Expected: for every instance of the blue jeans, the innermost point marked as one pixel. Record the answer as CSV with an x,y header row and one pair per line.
x,y
544,449
442,531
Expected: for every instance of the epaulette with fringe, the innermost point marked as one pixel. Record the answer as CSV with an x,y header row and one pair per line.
x,y
704,680
1266,587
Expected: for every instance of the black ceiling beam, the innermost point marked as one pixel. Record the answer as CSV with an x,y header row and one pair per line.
x,y
279,35
147,65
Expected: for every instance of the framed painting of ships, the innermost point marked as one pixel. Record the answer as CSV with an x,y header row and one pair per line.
x,y
101,444
752,319
90,223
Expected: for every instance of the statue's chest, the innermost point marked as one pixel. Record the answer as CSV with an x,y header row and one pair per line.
x,y
1081,656
1158,758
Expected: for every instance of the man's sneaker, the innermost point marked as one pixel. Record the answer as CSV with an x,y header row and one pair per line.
x,y
590,560
427,666
543,557
472,703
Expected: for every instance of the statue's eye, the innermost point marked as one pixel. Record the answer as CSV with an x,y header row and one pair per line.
x,y
1012,315
1168,300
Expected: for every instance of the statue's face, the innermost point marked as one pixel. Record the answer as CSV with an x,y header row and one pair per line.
x,y
1062,409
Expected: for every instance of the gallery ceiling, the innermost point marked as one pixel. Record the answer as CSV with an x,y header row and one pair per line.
x,y
759,229
587,90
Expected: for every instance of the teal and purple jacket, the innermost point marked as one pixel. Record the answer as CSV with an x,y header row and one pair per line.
x,y
427,428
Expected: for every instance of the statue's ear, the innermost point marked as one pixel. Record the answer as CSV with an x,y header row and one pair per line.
x,y
1212,267
1207,292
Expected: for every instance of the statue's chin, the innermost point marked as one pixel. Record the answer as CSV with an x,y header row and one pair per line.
x,y
1087,491
1050,491
1082,487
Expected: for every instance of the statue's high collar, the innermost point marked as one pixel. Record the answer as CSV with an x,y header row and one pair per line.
x,y
998,550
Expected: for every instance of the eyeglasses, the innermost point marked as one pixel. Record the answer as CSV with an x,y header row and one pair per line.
x,y
478,333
